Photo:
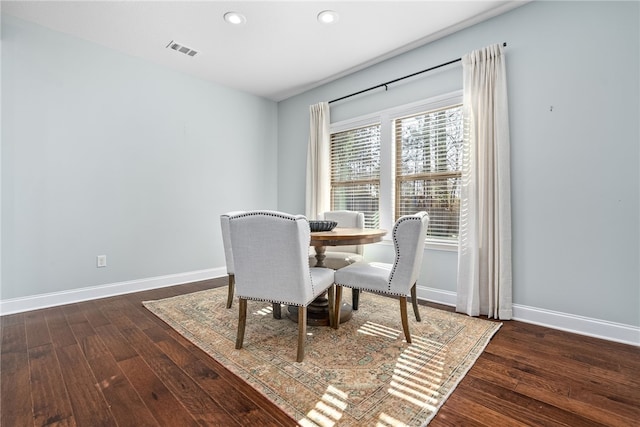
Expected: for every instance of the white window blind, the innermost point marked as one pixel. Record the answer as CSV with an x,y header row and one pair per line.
x,y
355,172
428,169
401,161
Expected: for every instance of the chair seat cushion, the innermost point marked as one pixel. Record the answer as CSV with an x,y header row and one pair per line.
x,y
373,276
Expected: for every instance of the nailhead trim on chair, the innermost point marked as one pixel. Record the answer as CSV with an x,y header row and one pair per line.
x,y
269,213
273,301
395,227
279,302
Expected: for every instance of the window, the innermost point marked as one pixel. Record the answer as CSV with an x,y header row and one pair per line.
x,y
355,172
399,162
428,169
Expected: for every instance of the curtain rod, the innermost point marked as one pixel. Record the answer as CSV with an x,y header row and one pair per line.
x,y
384,85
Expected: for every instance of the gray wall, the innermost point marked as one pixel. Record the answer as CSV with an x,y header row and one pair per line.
x,y
575,182
107,154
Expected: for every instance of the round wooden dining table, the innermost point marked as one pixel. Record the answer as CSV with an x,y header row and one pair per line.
x,y
318,310
343,237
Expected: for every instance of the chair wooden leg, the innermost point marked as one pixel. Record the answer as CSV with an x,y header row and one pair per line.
x,y
277,310
414,301
242,322
331,299
232,285
405,320
302,332
355,298
337,304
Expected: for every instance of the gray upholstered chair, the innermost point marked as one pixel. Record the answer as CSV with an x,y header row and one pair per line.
x,y
397,279
228,255
270,254
337,257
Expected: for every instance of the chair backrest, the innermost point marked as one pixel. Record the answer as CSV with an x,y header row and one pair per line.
x,y
346,219
270,253
409,234
226,239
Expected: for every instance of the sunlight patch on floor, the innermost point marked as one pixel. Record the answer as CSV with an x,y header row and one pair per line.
x,y
328,410
418,373
385,420
375,329
267,310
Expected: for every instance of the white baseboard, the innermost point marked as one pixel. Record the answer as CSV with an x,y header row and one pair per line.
x,y
35,302
618,332
611,331
437,295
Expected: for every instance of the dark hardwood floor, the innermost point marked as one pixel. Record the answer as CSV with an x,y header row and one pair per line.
x,y
110,362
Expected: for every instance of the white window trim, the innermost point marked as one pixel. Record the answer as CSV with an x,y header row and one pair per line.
x,y
387,153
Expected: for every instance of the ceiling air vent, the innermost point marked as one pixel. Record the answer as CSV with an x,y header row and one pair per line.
x,y
181,48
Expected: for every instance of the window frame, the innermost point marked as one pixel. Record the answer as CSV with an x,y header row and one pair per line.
x,y
337,184
388,153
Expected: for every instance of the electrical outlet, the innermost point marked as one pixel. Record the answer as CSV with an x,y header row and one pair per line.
x,y
101,261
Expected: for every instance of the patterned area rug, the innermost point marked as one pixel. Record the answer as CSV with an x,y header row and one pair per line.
x,y
363,374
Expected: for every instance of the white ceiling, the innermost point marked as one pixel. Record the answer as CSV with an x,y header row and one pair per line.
x,y
281,50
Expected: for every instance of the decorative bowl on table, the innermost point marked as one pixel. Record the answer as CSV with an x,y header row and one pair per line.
x,y
317,225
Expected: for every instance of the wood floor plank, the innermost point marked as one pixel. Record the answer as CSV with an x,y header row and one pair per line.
x,y
89,406
222,391
14,338
587,351
238,384
463,411
93,314
562,366
519,406
140,318
574,393
495,368
121,396
49,396
59,329
37,330
625,404
612,397
15,389
447,418
244,408
584,413
15,382
115,342
73,313
12,319
500,374
158,398
204,409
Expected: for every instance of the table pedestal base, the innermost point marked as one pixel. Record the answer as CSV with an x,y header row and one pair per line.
x,y
318,312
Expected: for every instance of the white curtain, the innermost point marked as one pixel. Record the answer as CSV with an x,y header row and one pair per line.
x,y
484,259
318,181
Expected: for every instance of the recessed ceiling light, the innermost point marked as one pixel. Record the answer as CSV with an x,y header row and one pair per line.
x,y
235,18
328,17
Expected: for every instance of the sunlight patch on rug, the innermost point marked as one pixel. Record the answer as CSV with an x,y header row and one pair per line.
x,y
363,374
